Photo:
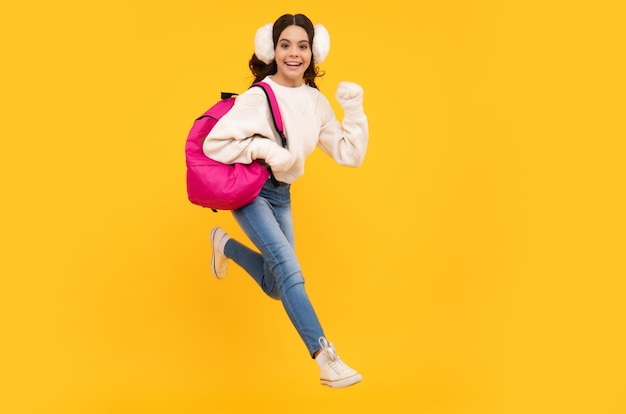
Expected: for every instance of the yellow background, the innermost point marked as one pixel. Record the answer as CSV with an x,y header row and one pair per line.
x,y
473,264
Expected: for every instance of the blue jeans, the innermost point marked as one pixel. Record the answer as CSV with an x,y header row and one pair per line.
x,y
268,223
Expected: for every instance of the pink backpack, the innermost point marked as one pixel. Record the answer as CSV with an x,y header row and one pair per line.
x,y
220,186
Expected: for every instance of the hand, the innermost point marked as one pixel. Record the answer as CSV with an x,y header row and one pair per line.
x,y
279,158
350,96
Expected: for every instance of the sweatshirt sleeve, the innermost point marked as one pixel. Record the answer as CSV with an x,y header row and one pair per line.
x,y
345,142
241,135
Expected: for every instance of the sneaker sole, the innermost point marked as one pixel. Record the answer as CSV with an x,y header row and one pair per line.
x,y
213,267
346,382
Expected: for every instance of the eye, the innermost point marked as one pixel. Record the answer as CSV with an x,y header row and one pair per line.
x,y
304,46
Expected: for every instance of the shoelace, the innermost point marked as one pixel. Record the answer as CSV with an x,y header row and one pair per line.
x,y
335,363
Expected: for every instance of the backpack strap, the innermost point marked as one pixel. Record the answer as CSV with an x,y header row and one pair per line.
x,y
278,120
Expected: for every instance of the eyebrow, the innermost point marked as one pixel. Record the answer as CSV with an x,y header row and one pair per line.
x,y
288,41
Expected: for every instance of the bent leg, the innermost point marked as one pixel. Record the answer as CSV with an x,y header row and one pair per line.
x,y
253,263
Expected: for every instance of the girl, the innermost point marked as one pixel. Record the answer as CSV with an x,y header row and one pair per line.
x,y
286,57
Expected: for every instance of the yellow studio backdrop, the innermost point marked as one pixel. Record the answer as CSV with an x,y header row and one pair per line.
x,y
473,264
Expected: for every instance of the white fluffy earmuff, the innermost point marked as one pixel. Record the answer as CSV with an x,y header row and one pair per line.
x,y
264,44
321,43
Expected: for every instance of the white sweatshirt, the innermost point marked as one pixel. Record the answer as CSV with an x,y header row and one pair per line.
x,y
241,135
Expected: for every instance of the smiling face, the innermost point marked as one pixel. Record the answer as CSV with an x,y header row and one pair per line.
x,y
293,56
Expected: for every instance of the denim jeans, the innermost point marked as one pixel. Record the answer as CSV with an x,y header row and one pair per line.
x,y
268,223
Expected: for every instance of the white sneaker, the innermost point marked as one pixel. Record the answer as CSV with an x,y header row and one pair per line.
x,y
219,261
333,371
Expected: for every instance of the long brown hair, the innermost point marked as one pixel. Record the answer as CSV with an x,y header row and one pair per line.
x,y
260,69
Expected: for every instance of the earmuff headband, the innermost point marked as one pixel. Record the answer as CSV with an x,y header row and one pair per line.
x,y
264,44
